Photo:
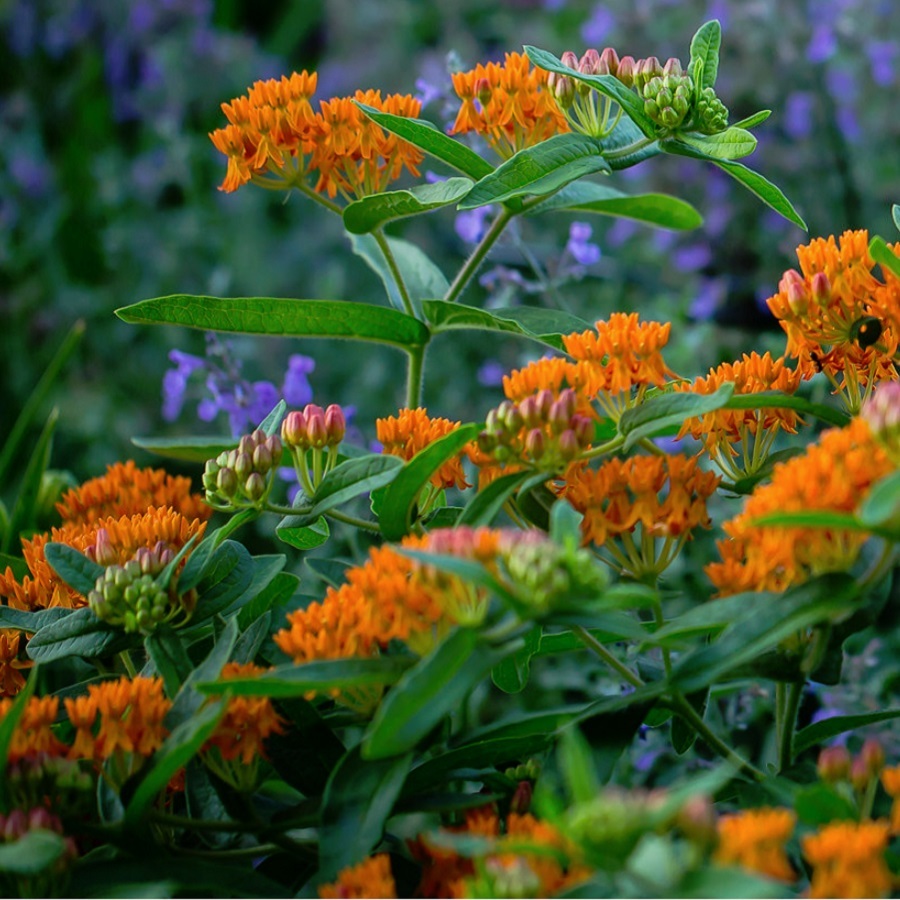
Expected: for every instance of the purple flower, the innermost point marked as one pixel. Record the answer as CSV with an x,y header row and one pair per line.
x,y
709,295
596,29
579,246
490,374
798,114
822,44
691,257
296,388
882,58
426,92
471,225
175,382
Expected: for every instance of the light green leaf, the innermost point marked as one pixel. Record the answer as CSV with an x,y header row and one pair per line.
x,y
661,210
811,518
756,119
301,536
883,255
826,729
882,507
189,449
33,853
541,169
733,143
426,137
280,317
369,213
511,674
704,64
627,146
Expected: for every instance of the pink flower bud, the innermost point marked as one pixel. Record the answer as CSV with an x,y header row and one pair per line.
x,y
583,426
316,432
255,486
243,465
335,424
672,66
589,64
483,91
609,62
569,446
833,764
520,802
872,755
102,551
625,72
821,288
569,60
293,430
530,411
545,400
535,444
859,774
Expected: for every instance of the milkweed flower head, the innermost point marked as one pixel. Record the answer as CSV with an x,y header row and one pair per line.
x,y
665,495
723,431
834,475
509,104
276,139
33,735
755,840
848,860
370,878
12,662
839,318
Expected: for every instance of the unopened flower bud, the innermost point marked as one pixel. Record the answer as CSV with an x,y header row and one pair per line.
x,y
609,62
569,446
625,71
102,551
583,426
316,432
570,60
872,755
833,764
820,286
483,91
335,424
262,459
487,442
882,412
243,465
511,416
246,445
293,430
673,67
530,411
227,483
520,802
255,486
589,64
535,444
697,820
860,776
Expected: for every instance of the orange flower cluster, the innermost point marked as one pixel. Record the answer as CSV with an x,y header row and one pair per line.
x,y
273,130
834,475
411,431
890,780
848,860
755,840
839,318
370,878
620,355
754,429
551,373
666,495
11,662
33,734
509,104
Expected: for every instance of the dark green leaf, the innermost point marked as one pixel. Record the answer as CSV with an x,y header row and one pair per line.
x,y
752,121
733,143
511,674
883,255
728,883
576,765
281,318
818,733
661,210
331,571
30,620
226,580
487,504
626,146
296,680
396,514
778,400
821,804
538,170
189,449
276,594
357,802
303,537
80,633
76,569
437,144
436,686
18,565
355,477
371,212
170,657
33,853
881,508
664,410
704,65
683,734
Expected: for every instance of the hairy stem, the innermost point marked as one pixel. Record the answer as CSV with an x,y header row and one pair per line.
x,y
477,256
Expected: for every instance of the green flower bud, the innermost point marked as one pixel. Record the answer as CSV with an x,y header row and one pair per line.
x,y
227,483
255,486
243,465
710,114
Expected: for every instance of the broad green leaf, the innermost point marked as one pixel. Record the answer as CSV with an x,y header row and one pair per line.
x,y
704,64
420,275
565,525
752,121
189,449
397,511
821,804
303,537
32,854
369,213
826,729
170,657
280,317
226,579
777,400
576,765
331,571
538,170
75,569
544,325
432,689
811,518
733,143
427,137
291,680
611,87
30,620
511,673
283,586
660,210
881,508
271,424
727,883
487,504
357,802
664,410
883,255
80,633
355,477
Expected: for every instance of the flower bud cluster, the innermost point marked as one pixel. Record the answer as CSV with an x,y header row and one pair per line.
x,y
882,412
314,428
667,98
42,779
35,882
710,113
540,431
243,477
127,597
565,89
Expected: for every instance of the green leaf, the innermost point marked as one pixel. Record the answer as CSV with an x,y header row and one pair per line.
x,y
30,620
816,734
397,511
704,65
75,569
660,210
283,586
178,748
881,508
303,537
189,449
281,318
752,121
33,853
883,255
733,143
357,802
727,883
355,477
226,579
812,518
544,325
821,804
18,565
683,734
538,170
487,504
511,673
432,689
895,215
8,725
576,764
271,424
427,137
293,680
170,657
631,104
369,213
80,633
627,146
565,525
777,400
664,410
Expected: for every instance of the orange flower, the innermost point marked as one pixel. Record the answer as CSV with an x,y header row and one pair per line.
x,y
247,722
11,678
755,429
890,779
509,104
755,840
620,355
126,490
370,878
848,860
834,475
33,733
120,539
413,430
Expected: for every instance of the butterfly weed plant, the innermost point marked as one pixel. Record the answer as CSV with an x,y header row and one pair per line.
x,y
182,716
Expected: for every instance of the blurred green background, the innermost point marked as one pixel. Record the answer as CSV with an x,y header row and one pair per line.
x,y
108,188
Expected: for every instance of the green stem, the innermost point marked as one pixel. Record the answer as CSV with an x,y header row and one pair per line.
x,y
396,274
234,853
660,623
631,148
125,656
478,254
346,518
792,697
414,375
596,647
317,197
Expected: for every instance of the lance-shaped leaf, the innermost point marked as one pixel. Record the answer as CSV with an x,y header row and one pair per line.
x,y
189,449
883,255
30,620
881,508
76,570
756,119
819,732
704,64
895,215
486,505
733,143
369,213
661,210
435,143
281,317
293,530
397,507
611,87
777,400
541,169
80,633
